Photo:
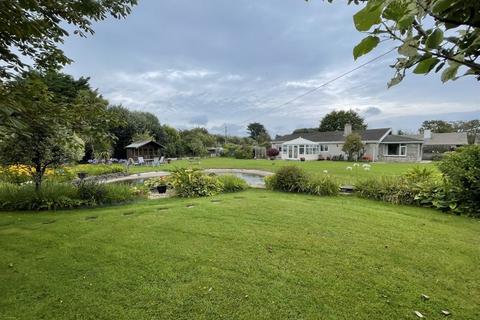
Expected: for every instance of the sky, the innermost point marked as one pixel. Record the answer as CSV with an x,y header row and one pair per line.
x,y
217,64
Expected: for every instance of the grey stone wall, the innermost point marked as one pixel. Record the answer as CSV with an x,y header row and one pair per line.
x,y
411,156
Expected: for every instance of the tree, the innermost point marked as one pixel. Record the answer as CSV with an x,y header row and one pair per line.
x,y
35,29
431,35
51,130
336,121
257,130
471,127
132,126
143,136
437,126
45,138
353,147
305,130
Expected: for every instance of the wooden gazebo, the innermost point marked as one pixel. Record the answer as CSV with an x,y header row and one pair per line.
x,y
148,149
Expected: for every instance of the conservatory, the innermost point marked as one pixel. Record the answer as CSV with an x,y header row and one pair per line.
x,y
300,148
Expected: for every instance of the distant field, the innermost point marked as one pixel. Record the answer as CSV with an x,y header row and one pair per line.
x,y
249,255
335,168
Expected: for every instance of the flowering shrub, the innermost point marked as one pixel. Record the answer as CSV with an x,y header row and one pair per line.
x,y
193,183
272,152
156,182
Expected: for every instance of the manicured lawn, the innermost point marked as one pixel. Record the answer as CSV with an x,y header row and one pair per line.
x,y
336,168
251,255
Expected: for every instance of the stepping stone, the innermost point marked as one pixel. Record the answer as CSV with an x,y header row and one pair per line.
x,y
91,218
49,222
162,208
418,314
128,213
189,206
216,201
446,312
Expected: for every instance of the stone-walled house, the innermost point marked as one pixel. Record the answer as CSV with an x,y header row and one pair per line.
x,y
380,145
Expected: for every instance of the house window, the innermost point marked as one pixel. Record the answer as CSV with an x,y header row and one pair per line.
x,y
302,149
396,149
285,150
325,148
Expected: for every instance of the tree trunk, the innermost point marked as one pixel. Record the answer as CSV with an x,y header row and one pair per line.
x,y
38,177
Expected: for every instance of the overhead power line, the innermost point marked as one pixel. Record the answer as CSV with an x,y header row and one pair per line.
x,y
283,105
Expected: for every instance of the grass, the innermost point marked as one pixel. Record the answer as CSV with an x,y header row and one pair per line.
x,y
335,168
249,255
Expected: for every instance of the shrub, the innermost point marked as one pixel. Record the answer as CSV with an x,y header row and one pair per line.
x,y
51,196
243,152
55,196
232,183
156,182
418,174
462,170
193,183
92,192
395,190
288,178
98,169
322,186
272,152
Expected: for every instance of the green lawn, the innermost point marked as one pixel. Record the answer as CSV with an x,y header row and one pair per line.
x,y
336,168
250,255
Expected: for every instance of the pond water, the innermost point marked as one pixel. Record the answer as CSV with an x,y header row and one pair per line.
x,y
253,180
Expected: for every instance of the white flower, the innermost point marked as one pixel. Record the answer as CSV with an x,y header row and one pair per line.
x,y
366,168
366,165
356,165
349,168
325,171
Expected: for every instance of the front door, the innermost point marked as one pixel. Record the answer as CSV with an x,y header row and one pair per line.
x,y
290,152
295,152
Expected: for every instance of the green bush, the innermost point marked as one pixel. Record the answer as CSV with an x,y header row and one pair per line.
x,y
193,183
55,196
419,174
322,186
98,169
156,182
50,197
395,190
243,152
232,183
462,170
288,179
92,192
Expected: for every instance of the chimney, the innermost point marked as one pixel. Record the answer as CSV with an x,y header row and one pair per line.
x,y
348,130
427,134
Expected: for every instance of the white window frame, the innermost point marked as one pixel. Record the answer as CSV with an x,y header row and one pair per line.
x,y
402,150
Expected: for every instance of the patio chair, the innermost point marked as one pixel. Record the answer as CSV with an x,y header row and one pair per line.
x,y
140,161
156,161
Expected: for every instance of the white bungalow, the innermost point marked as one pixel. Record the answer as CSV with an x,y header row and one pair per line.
x,y
380,145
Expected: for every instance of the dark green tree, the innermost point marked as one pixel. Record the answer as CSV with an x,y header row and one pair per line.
x,y
35,29
437,126
336,121
258,132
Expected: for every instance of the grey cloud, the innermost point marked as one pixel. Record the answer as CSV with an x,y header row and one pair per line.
x,y
201,120
372,111
212,62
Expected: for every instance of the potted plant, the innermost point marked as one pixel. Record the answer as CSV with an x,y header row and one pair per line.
x,y
160,184
302,159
